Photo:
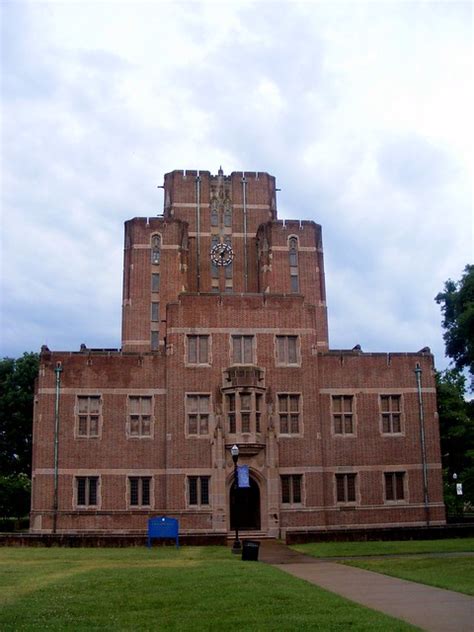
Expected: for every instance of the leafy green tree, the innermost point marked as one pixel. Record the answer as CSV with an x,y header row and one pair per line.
x,y
17,380
456,421
15,491
457,307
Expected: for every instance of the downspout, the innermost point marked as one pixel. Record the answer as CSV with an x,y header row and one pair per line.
x,y
58,371
198,230
244,201
426,499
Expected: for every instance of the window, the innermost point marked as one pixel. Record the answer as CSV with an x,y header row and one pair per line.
x,y
197,410
394,485
345,488
214,268
155,340
228,215
198,490
214,216
155,312
244,411
243,349
155,282
86,490
342,414
230,402
390,406
155,249
287,349
293,256
88,414
139,488
289,413
140,416
198,349
291,488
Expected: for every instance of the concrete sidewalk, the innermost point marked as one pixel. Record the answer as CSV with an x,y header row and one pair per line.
x,y
431,609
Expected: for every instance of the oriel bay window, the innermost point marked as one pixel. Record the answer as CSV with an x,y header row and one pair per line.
x,y
244,411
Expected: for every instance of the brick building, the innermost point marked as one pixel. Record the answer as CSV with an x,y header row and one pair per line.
x,y
225,341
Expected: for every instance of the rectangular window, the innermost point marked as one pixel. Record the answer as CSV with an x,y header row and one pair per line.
x,y
86,489
88,414
155,340
295,286
289,413
197,410
198,349
198,490
394,485
345,488
139,491
258,412
245,410
243,349
155,312
287,349
140,416
342,414
291,488
390,406
155,282
230,399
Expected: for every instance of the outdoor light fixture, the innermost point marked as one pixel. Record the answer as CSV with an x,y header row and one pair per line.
x,y
237,546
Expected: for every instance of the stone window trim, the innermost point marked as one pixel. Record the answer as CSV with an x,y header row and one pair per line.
x,y
395,487
187,350
287,350
346,489
286,414
198,492
243,349
156,243
87,421
200,412
391,414
140,423
292,490
140,489
87,492
293,260
344,416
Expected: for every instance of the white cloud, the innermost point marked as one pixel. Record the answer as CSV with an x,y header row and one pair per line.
x,y
362,111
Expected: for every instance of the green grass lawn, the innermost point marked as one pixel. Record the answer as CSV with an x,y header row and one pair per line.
x,y
453,573
343,549
195,588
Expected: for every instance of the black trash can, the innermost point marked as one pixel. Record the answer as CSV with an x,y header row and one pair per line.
x,y
250,550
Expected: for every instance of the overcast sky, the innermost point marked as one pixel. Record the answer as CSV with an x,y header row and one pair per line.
x,y
362,111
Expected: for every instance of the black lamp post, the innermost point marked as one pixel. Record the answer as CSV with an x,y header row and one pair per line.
x,y
237,546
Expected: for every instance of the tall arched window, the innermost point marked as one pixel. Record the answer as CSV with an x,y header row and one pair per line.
x,y
228,214
155,249
293,255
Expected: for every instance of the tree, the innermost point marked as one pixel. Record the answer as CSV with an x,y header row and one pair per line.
x,y
457,307
456,422
17,379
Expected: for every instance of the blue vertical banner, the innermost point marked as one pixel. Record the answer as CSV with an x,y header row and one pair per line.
x,y
243,476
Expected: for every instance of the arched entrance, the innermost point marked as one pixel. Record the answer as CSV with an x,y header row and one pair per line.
x,y
245,507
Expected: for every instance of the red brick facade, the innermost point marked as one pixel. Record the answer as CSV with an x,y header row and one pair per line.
x,y
223,351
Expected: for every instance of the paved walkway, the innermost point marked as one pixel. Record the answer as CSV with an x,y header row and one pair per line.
x,y
429,608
